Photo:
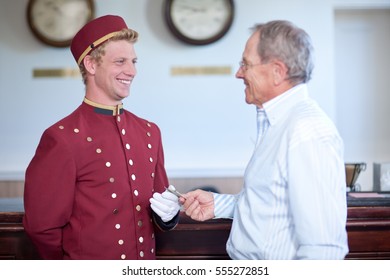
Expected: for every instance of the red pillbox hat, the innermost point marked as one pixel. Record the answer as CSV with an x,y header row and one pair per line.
x,y
94,33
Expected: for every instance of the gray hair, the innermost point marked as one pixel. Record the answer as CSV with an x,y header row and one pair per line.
x,y
283,41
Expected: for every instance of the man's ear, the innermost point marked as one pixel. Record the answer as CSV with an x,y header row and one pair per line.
x,y
279,72
90,64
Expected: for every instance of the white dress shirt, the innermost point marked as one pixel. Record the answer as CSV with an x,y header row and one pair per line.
x,y
293,202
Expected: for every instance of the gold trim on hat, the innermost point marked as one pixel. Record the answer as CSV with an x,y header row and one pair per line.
x,y
94,44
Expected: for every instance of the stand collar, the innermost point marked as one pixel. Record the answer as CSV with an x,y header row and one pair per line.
x,y
105,109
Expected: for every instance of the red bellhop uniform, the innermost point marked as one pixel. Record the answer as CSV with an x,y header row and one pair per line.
x,y
88,186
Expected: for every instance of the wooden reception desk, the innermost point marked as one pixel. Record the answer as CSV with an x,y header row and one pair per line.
x,y
368,229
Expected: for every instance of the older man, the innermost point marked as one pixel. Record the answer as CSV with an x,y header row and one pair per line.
x,y
293,202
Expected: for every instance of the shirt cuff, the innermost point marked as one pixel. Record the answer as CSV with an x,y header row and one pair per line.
x,y
224,205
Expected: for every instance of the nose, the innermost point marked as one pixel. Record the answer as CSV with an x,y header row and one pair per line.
x,y
240,73
130,69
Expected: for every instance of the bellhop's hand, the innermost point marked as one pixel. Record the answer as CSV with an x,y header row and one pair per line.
x,y
165,204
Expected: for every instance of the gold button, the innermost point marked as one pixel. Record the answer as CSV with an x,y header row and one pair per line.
x,y
123,131
139,223
120,242
112,180
89,139
131,162
135,192
138,207
123,256
61,127
113,195
99,151
133,177
117,226
76,130
141,239
108,164
128,146
141,254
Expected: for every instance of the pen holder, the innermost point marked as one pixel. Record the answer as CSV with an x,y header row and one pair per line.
x,y
352,171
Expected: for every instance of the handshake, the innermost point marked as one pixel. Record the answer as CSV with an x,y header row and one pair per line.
x,y
166,204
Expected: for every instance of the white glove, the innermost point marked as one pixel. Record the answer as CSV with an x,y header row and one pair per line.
x,y
166,205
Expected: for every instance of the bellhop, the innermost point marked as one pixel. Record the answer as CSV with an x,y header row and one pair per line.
x,y
88,186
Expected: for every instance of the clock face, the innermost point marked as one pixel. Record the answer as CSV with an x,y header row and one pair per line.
x,y
55,22
199,22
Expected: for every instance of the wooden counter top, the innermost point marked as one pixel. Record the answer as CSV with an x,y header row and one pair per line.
x,y
368,228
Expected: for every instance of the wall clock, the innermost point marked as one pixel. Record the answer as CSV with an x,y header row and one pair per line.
x,y
55,22
199,22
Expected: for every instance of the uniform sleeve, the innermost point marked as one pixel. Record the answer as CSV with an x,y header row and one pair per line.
x,y
166,226
317,195
48,195
160,175
160,183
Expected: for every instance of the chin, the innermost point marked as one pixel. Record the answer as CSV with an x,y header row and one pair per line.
x,y
248,100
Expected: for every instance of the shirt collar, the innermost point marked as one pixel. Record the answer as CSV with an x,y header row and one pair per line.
x,y
105,109
279,106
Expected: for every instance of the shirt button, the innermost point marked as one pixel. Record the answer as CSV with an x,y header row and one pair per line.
x,y
131,162
139,223
141,239
128,146
149,146
113,195
133,177
120,242
117,226
112,180
123,256
123,131
141,254
115,211
108,164
138,207
135,192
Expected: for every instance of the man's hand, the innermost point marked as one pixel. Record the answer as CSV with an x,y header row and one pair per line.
x,y
199,205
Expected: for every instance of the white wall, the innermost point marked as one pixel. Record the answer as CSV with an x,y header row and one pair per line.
x,y
208,130
362,86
